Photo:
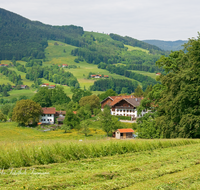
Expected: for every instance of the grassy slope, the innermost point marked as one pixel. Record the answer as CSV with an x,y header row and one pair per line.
x,y
131,48
158,168
55,55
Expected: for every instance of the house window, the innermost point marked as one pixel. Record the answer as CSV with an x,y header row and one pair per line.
x,y
47,119
50,115
124,110
44,120
41,119
130,110
120,110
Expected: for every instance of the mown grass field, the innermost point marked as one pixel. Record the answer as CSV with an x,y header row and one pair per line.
x,y
32,159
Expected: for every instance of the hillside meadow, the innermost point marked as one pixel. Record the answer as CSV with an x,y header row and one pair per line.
x,y
33,159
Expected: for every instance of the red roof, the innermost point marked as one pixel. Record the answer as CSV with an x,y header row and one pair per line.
x,y
49,110
64,64
75,112
53,85
47,84
126,130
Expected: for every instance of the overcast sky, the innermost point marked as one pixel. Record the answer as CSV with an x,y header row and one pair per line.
x,y
141,19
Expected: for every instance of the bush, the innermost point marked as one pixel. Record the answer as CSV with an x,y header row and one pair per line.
x,y
123,117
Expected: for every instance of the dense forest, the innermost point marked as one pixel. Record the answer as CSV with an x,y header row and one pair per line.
x,y
120,86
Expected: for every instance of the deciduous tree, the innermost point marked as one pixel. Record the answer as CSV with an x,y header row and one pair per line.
x,y
26,111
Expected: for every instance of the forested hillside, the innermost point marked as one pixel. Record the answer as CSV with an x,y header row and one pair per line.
x,y
21,37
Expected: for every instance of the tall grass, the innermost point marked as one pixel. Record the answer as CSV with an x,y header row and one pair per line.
x,y
18,155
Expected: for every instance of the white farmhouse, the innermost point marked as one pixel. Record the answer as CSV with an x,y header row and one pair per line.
x,y
123,106
48,115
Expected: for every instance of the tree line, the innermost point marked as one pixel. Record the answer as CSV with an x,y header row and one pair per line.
x,y
174,104
120,86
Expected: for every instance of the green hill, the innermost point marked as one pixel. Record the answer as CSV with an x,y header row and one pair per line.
x,y
21,37
85,53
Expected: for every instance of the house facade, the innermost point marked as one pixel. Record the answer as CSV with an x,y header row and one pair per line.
x,y
47,116
123,106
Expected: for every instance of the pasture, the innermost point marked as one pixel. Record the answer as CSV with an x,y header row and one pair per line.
x,y
32,159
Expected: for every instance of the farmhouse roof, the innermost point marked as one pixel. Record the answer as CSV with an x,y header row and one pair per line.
x,y
126,130
49,110
117,97
47,84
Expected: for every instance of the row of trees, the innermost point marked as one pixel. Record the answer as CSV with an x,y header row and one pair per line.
x,y
120,86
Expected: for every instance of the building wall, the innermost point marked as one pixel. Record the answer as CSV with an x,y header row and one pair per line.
x,y
117,135
47,119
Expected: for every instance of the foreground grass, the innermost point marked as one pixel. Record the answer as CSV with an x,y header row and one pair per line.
x,y
162,168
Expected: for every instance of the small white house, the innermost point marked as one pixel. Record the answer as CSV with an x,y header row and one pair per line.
x,y
48,116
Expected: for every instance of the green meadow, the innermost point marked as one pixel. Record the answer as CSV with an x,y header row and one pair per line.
x,y
55,55
60,53
33,159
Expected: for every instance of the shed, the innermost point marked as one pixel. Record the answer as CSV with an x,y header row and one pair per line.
x,y
124,133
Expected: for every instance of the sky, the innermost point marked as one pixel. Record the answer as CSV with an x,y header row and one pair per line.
x,y
167,20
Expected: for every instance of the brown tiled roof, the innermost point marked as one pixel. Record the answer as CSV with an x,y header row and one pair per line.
x,y
133,101
60,112
126,130
117,99
49,110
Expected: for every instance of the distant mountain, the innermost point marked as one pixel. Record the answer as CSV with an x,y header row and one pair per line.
x,y
167,45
